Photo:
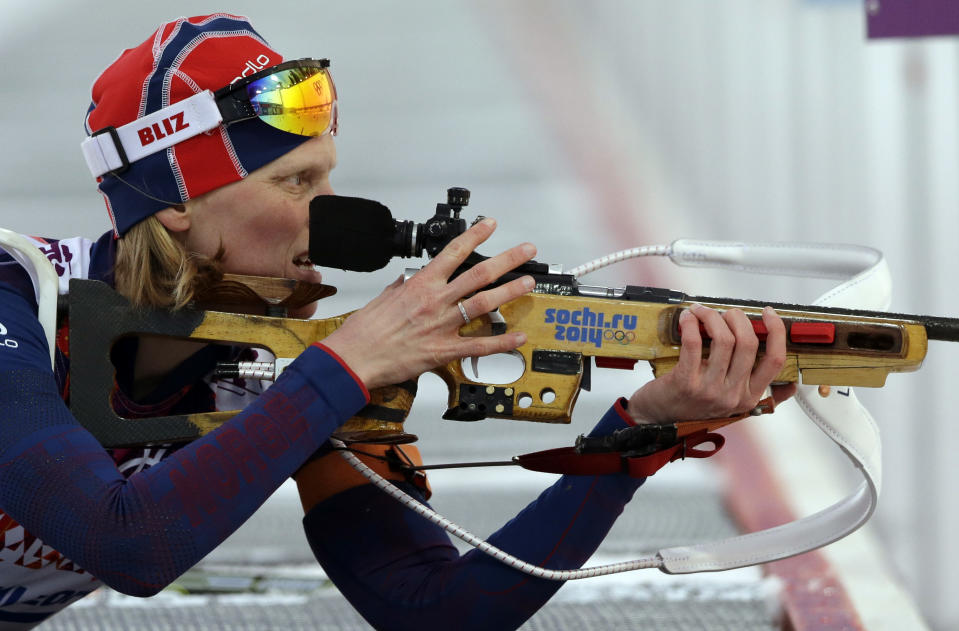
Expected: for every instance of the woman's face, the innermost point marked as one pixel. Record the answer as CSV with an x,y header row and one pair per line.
x,y
262,221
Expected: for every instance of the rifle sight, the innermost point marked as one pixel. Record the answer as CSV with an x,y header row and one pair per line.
x,y
360,235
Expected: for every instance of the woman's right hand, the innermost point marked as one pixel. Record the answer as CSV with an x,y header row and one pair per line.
x,y
413,326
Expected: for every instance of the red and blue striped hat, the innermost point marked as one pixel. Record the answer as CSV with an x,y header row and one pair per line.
x,y
182,58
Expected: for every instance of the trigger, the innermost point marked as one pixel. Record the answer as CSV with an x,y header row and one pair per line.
x,y
474,364
497,322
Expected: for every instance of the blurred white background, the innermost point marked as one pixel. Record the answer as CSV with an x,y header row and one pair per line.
x,y
592,126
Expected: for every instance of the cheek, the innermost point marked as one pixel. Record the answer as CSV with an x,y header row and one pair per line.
x,y
258,227
268,235
279,221
267,225
263,216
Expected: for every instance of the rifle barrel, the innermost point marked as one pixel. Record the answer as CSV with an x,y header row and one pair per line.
x,y
937,328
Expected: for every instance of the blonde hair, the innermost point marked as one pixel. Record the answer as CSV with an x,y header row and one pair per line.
x,y
154,270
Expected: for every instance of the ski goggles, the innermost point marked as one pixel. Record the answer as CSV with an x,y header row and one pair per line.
x,y
295,96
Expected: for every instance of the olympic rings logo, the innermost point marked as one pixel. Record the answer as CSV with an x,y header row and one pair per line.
x,y
623,337
592,327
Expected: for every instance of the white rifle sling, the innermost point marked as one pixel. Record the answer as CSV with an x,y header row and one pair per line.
x,y
843,419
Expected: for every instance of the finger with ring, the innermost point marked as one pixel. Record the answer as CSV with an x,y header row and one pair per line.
x,y
465,315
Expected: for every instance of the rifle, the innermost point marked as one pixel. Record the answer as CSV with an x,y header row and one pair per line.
x,y
569,326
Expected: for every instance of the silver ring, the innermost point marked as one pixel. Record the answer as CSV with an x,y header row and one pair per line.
x,y
463,311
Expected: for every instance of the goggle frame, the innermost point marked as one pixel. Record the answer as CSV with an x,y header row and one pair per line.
x,y
235,104
112,150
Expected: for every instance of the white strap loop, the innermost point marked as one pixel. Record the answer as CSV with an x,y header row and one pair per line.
x,y
152,133
843,419
809,260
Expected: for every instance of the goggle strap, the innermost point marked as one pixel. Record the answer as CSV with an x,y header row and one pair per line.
x,y
113,149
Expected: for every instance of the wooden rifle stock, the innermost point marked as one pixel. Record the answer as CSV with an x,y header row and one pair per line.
x,y
567,327
99,317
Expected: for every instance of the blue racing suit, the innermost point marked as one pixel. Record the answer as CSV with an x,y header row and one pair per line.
x,y
74,515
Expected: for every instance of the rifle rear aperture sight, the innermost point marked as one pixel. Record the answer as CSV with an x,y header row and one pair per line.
x,y
444,226
360,235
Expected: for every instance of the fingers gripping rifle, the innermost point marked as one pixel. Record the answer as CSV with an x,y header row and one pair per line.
x,y
569,326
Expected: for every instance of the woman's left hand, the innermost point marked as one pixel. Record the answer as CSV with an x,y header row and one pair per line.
x,y
730,381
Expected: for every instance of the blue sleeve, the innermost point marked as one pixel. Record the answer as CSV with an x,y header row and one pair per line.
x,y
139,534
402,572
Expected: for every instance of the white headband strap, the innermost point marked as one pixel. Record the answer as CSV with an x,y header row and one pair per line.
x,y
115,148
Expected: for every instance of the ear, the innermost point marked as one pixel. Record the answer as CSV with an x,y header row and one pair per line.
x,y
175,218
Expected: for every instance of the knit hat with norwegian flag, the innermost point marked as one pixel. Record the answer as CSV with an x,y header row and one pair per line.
x,y
183,57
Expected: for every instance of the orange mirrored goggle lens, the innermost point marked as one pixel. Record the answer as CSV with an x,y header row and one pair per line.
x,y
300,100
